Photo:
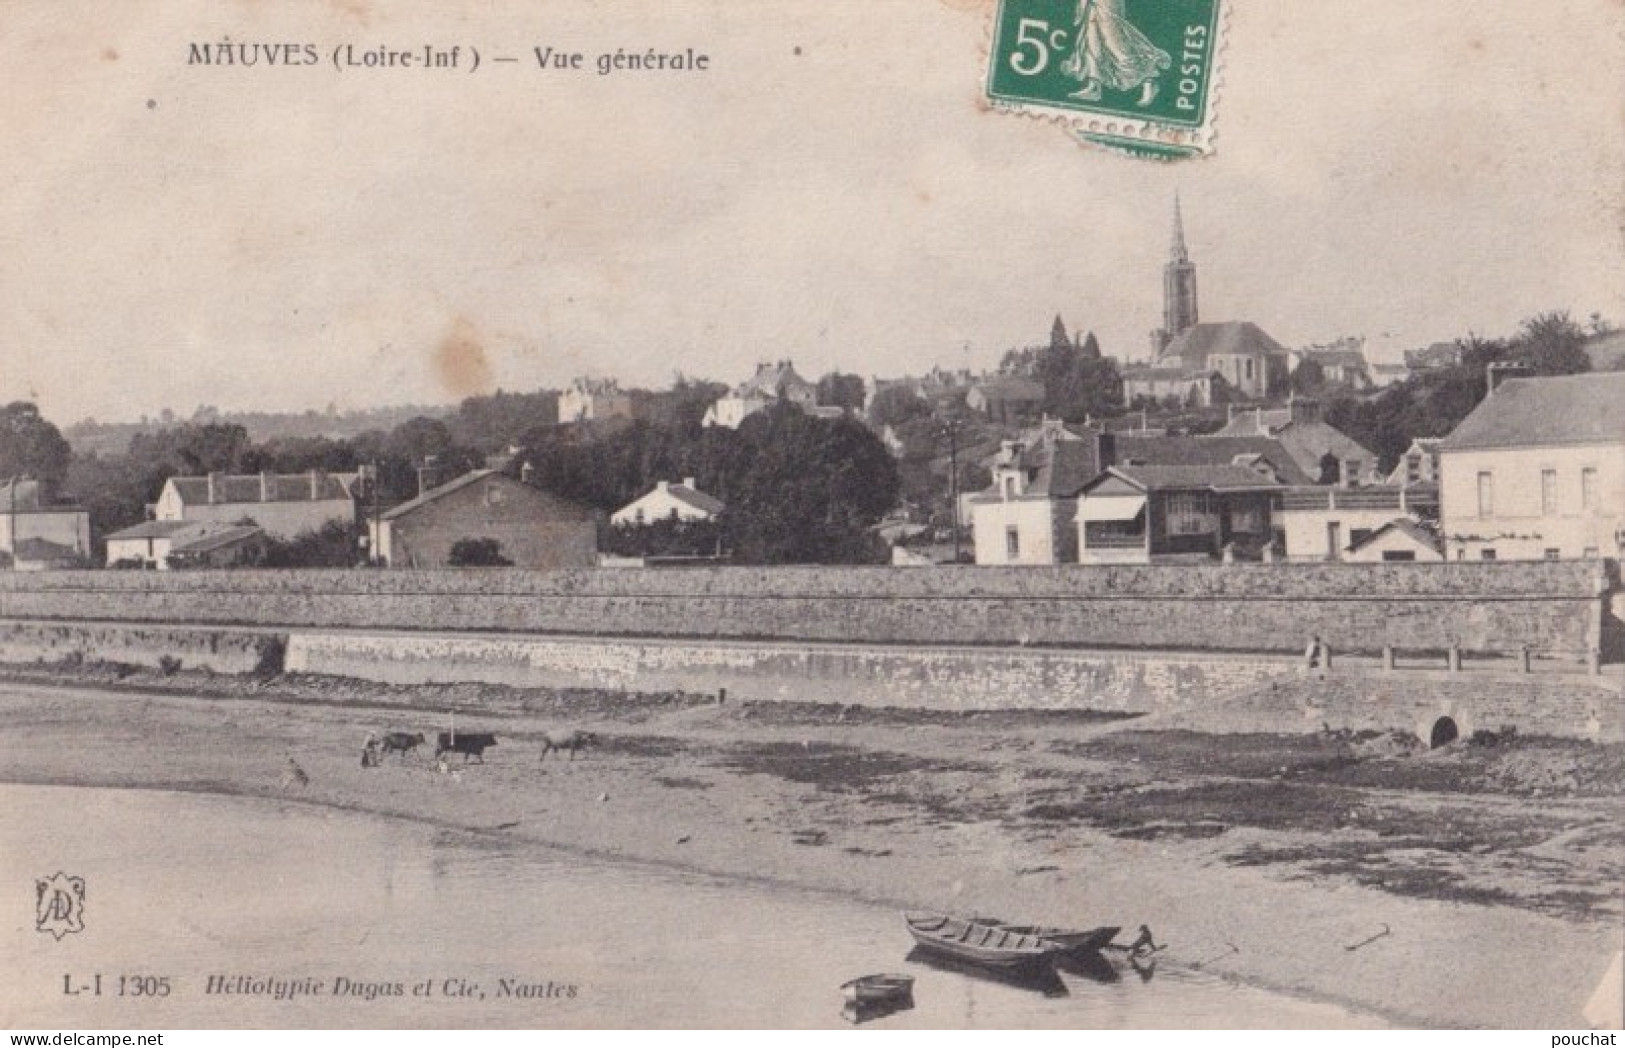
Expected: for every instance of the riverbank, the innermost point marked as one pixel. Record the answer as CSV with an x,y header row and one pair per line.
x,y
1495,870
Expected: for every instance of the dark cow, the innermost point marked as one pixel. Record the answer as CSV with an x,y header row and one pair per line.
x,y
469,743
567,739
400,742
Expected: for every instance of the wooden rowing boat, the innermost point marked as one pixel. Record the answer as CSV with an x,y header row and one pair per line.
x,y
1067,939
984,944
875,989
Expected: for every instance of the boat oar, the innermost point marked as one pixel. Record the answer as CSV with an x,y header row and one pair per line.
x,y
1368,942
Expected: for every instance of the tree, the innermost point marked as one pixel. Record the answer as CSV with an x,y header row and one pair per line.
x,y
1308,378
31,446
333,545
1552,344
808,490
836,390
895,405
477,553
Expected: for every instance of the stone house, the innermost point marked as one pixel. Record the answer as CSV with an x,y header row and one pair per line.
x,y
772,382
1026,515
1537,471
532,528
594,400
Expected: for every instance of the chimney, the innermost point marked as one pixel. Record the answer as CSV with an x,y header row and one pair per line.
x,y
426,474
662,485
1229,412
688,482
1498,371
318,480
267,487
526,470
1105,451
217,487
1258,421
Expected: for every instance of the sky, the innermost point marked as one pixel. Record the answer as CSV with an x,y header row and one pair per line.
x,y
831,190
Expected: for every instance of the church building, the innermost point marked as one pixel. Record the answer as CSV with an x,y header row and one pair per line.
x,y
1199,363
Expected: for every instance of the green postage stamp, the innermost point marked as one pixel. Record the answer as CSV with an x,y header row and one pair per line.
x,y
1135,75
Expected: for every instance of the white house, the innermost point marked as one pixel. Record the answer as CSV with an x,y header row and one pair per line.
x,y
1397,540
772,382
669,501
1027,515
1335,523
283,505
1537,471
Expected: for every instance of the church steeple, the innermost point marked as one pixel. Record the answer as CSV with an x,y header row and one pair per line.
x,y
1177,251
1178,287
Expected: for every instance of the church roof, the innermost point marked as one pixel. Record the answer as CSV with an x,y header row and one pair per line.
x,y
1196,344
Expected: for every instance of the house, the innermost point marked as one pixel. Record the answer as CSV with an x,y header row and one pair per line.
x,y
669,501
1317,522
1157,384
1321,450
29,511
1340,364
146,545
530,527
1139,514
1397,540
283,505
1436,357
1026,515
1537,471
1419,464
773,381
234,546
165,544
594,400
1006,399
1606,351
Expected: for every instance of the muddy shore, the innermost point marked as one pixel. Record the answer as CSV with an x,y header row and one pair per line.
x,y
1496,869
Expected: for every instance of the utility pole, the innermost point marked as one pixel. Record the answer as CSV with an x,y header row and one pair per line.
x,y
952,426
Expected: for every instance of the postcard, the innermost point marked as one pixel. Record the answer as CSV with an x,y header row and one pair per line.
x,y
819,343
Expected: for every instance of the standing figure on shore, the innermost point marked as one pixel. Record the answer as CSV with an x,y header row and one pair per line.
x,y
1111,53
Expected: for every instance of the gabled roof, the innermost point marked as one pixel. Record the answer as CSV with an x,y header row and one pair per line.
x,y
1210,451
210,541
771,379
696,498
1334,357
152,529
1212,478
1404,526
436,494
1546,412
231,488
1197,343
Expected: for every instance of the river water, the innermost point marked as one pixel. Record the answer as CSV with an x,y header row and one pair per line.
x,y
387,923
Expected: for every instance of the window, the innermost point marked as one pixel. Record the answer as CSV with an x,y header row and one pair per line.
x,y
1486,496
1588,488
1398,554
1413,469
1486,554
1009,486
1553,554
1334,542
1012,543
1548,492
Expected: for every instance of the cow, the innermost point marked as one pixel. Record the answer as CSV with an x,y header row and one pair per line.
x,y
400,742
567,739
469,743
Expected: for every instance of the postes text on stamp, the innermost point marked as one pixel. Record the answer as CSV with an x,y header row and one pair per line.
x,y
1135,75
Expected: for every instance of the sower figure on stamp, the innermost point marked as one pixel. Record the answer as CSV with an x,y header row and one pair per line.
x,y
1111,53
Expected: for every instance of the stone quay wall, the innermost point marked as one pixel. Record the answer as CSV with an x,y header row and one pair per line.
x,y
1548,606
